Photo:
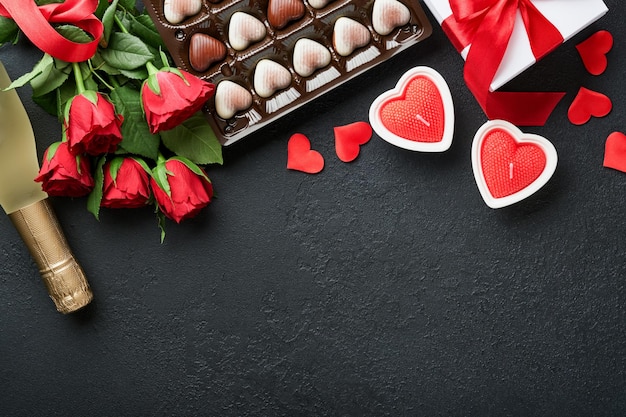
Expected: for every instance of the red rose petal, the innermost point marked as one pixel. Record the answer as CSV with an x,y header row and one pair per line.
x,y
349,138
615,151
300,156
588,103
593,51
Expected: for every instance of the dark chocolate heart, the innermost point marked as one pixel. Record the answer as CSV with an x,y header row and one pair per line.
x,y
204,50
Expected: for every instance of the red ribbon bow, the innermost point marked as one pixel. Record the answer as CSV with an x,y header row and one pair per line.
x,y
35,21
487,25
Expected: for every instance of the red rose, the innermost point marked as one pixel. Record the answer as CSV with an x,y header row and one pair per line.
x,y
64,174
126,184
189,191
93,127
171,97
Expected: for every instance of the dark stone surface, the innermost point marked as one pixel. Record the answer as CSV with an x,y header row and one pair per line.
x,y
381,287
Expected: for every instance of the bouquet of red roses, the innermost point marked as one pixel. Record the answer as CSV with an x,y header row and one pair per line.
x,y
133,132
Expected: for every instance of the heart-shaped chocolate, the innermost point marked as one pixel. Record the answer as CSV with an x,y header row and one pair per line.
x,y
318,4
309,56
388,15
418,114
348,35
175,11
244,30
269,77
204,50
509,165
281,12
231,98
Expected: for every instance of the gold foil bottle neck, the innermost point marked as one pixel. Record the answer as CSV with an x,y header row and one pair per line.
x,y
63,276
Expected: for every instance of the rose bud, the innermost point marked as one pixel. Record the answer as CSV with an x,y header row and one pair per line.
x,y
92,125
65,174
171,96
180,188
126,184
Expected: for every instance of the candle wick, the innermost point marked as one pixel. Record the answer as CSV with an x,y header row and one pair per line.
x,y
421,119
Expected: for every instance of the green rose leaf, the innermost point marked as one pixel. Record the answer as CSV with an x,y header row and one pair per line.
x,y
99,64
128,4
43,65
135,130
137,74
95,197
48,80
159,174
108,21
195,140
54,101
9,31
126,52
74,33
143,26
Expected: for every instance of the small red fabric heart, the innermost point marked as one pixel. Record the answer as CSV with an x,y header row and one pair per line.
x,y
586,104
300,156
349,138
509,166
593,51
615,151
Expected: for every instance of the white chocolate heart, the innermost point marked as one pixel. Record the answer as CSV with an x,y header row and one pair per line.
x,y
388,15
244,30
270,77
175,11
231,98
349,35
318,4
308,56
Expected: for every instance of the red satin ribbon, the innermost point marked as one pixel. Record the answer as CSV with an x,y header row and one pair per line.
x,y
35,22
487,25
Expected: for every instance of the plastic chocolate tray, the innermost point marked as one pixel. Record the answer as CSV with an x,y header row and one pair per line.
x,y
269,57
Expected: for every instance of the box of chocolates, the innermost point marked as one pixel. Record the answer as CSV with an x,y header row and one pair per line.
x,y
269,57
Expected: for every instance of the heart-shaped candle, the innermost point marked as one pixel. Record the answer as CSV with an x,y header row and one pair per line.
x,y
244,30
269,77
204,50
308,56
510,165
175,11
417,114
348,35
388,15
231,98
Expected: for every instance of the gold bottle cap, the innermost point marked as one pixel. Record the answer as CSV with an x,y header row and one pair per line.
x,y
63,276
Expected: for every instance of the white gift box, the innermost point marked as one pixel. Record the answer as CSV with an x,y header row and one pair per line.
x,y
568,16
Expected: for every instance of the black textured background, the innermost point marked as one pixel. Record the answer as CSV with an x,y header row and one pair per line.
x,y
380,287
